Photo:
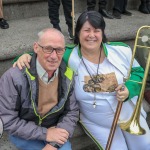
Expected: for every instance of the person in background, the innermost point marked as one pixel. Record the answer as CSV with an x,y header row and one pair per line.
x,y
120,7
37,106
3,22
145,6
102,7
53,9
100,67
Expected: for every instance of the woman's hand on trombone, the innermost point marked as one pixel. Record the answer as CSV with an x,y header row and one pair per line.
x,y
122,92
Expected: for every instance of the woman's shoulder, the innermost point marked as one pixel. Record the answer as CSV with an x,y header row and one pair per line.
x,y
118,47
68,50
117,44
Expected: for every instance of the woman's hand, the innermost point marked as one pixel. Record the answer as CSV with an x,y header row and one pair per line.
x,y
23,61
122,93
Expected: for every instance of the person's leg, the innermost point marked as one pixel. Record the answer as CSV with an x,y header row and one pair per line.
x,y
143,6
26,144
148,5
102,9
3,22
125,12
118,5
91,4
67,6
118,8
102,4
1,9
53,9
66,146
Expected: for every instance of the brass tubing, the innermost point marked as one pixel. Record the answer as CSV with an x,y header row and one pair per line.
x,y
132,125
119,106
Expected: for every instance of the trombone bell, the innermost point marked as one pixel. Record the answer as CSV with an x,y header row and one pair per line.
x,y
133,127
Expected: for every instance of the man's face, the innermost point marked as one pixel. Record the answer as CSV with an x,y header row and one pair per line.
x,y
49,61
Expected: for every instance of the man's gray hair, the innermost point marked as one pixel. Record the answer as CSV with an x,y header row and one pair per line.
x,y
49,29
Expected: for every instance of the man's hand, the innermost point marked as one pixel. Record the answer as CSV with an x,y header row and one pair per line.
x,y
49,147
22,61
122,92
57,135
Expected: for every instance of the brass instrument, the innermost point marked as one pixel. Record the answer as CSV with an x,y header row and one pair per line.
x,y
132,126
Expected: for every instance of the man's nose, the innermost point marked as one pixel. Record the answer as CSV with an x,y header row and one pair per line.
x,y
53,54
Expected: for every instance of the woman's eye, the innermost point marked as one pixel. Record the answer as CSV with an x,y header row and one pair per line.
x,y
97,31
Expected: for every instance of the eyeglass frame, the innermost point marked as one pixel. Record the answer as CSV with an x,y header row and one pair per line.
x,y
53,49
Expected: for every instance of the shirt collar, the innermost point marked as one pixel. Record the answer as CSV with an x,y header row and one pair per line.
x,y
43,75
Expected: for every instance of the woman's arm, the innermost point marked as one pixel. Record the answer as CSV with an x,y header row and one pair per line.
x,y
22,61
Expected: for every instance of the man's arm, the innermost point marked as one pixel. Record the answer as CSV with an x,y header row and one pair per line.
x,y
70,115
10,115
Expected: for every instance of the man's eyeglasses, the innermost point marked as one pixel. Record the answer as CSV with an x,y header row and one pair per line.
x,y
50,49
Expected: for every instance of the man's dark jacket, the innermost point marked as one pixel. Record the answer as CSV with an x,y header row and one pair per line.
x,y
19,103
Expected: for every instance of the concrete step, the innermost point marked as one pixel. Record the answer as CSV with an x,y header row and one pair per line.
x,y
20,36
20,9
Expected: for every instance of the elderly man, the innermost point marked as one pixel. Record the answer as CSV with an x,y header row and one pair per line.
x,y
36,107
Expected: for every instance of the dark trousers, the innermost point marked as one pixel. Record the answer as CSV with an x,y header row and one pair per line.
x,y
120,5
53,9
145,1
92,3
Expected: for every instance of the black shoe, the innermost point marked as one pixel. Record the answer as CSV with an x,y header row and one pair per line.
x,y
56,26
70,34
143,8
116,14
127,13
105,14
148,7
4,24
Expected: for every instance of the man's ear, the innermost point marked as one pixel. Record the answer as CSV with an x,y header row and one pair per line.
x,y
35,47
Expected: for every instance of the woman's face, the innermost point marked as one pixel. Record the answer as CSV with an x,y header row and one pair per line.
x,y
89,37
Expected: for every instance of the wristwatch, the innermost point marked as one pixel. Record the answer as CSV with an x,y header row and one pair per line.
x,y
53,144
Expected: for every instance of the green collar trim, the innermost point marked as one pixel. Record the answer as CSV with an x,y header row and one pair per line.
x,y
69,73
117,44
105,49
91,136
31,77
79,51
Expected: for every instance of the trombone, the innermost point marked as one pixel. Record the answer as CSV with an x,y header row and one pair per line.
x,y
132,125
